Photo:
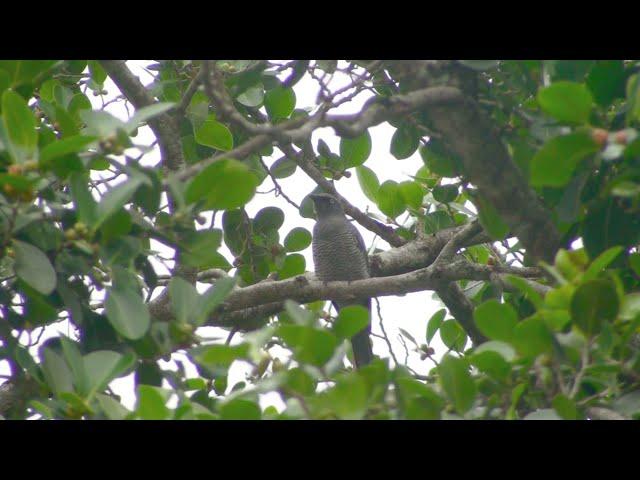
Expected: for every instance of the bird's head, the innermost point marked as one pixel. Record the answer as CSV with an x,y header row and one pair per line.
x,y
326,205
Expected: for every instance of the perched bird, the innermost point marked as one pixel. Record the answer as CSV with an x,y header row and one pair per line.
x,y
339,253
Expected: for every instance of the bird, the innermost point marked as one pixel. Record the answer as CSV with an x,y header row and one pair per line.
x,y
339,253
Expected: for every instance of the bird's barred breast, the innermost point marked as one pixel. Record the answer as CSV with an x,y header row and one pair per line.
x,y
339,258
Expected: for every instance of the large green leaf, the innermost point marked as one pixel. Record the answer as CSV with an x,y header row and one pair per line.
x,y
214,134
34,267
297,239
496,320
553,165
355,151
390,199
593,303
351,320
184,298
567,102
279,102
225,185
20,125
127,313
457,382
369,183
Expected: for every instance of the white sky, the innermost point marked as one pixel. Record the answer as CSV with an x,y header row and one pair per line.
x,y
410,312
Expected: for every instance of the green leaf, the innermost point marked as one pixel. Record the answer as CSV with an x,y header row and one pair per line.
x,y
453,335
64,147
297,239
601,262
240,409
99,123
300,381
112,408
445,193
404,142
34,267
348,398
567,102
438,161
606,81
491,363
434,323
199,248
145,113
351,320
252,96
490,220
634,262
457,382
311,346
115,199
411,193
553,165
102,366
593,303
531,337
213,185
213,297
215,135
280,102
20,125
436,221
565,407
283,168
355,151
268,218
294,265
390,199
527,290
56,372
151,403
496,320
184,298
503,349
369,183
221,355
127,313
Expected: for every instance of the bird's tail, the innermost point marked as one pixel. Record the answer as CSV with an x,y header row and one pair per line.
x,y
360,342
362,352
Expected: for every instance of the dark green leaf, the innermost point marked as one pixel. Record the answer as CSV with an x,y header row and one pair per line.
x,y
411,193
240,409
453,335
297,239
184,298
593,303
404,142
20,125
294,264
283,168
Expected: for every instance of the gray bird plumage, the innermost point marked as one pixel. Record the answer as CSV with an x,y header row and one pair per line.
x,y
339,253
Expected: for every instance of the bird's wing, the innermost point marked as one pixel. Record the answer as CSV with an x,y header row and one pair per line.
x,y
360,241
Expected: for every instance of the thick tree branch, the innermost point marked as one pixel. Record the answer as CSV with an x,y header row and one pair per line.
x,y
163,126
